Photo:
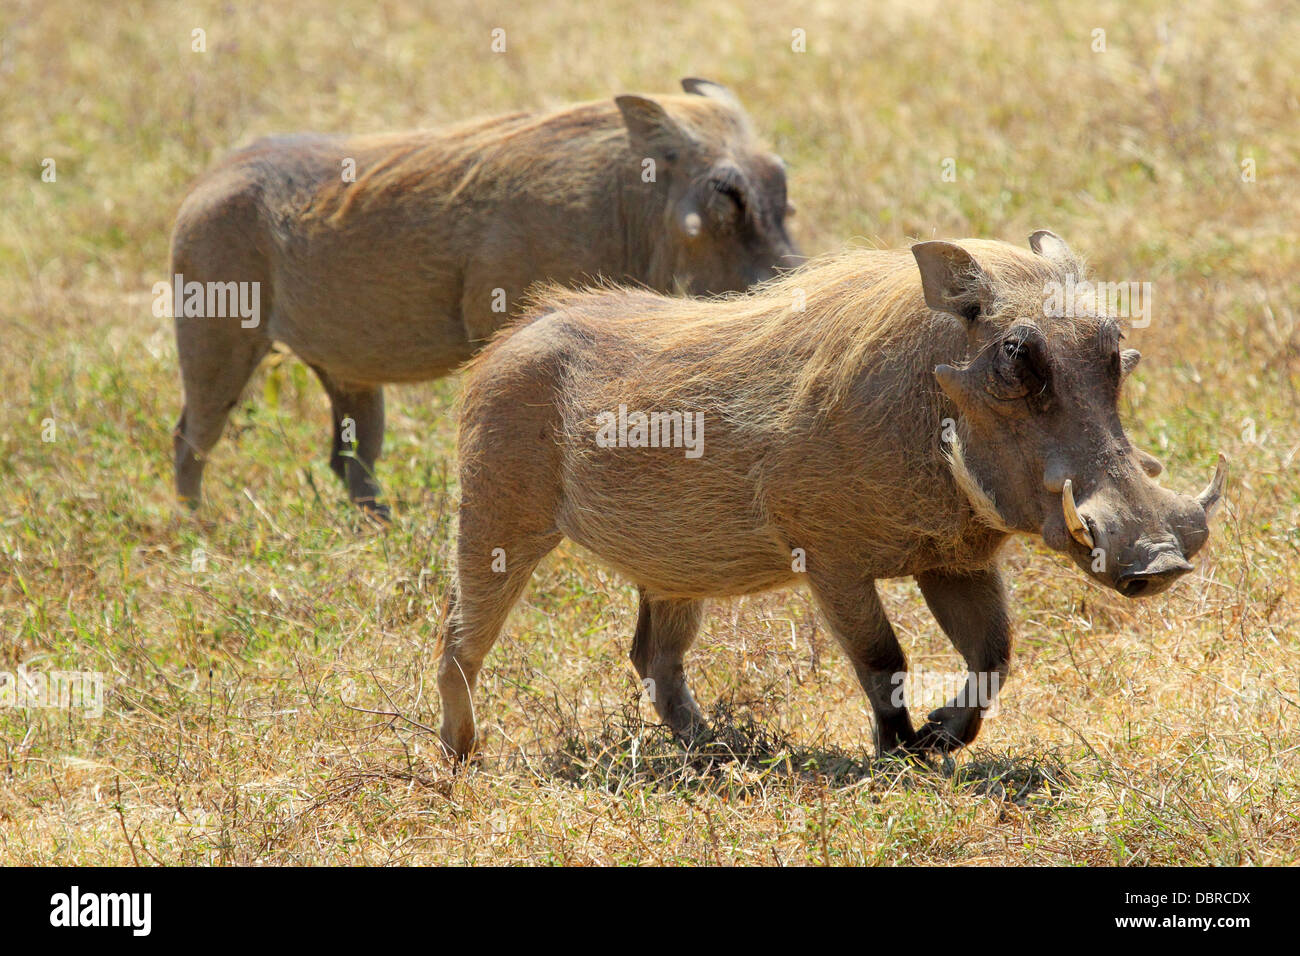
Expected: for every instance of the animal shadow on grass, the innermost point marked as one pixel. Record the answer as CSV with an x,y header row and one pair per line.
x,y
742,754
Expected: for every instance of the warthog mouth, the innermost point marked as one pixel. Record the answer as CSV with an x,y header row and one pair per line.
x,y
1156,559
1155,576
1159,562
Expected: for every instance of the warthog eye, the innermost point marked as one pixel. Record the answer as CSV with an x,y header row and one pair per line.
x,y
1023,366
732,203
723,196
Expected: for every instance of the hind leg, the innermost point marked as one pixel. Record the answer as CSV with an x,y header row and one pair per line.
x,y
358,440
217,359
216,248
489,580
511,491
664,631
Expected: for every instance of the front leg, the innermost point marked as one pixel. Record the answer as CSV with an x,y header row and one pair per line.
x,y
972,610
358,414
856,618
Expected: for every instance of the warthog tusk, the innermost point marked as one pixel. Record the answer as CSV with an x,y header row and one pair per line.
x,y
1078,530
1209,498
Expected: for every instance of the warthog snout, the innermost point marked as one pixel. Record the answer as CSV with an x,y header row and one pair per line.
x,y
1137,537
783,259
1158,570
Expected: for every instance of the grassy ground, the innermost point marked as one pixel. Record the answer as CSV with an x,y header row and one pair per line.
x,y
240,727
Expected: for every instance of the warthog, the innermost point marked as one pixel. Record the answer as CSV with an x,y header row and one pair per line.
x,y
906,421
393,258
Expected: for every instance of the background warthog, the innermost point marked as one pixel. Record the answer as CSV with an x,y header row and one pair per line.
x,y
402,274
903,424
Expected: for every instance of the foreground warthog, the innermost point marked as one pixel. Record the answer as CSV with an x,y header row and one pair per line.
x,y
904,423
394,258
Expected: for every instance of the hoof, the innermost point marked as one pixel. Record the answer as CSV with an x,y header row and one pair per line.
x,y
894,735
693,736
949,729
935,737
374,510
458,757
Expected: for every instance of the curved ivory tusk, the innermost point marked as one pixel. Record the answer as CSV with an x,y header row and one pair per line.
x,y
1209,498
1078,529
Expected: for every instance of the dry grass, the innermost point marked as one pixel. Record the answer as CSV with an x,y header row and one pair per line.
x,y
240,730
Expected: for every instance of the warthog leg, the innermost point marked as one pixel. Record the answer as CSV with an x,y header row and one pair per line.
x,y
856,618
971,609
511,474
217,359
358,439
490,576
664,632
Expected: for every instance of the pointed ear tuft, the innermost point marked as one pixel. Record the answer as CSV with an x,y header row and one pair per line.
x,y
1050,246
952,280
651,131
715,91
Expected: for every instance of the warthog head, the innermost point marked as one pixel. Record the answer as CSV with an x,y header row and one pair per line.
x,y
724,199
1038,399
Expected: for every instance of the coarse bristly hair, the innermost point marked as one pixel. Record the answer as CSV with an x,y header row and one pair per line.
x,y
789,356
825,455
809,333
547,154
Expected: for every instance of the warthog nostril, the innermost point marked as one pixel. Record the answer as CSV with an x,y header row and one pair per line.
x,y
1163,571
1133,586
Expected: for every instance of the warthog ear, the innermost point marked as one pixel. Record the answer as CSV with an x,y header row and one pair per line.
x,y
1050,246
651,131
952,281
1128,361
716,91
